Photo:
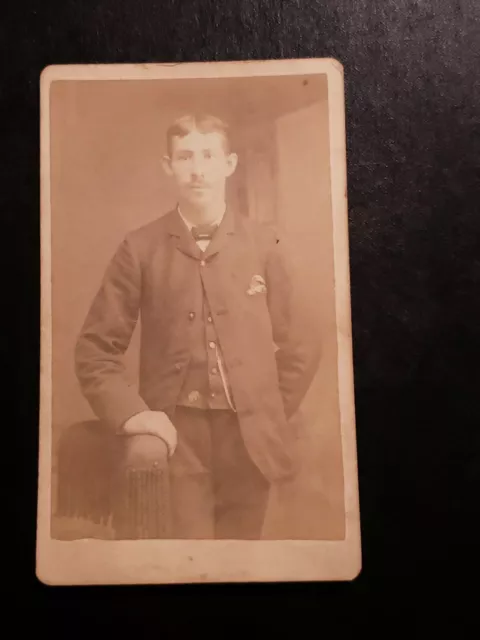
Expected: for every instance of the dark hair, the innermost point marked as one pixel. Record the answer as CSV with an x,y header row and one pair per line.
x,y
204,123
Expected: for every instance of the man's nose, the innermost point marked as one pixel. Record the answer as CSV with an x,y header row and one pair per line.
x,y
197,167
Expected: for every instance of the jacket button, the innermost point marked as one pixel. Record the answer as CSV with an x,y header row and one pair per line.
x,y
191,315
178,366
210,319
202,263
214,370
211,345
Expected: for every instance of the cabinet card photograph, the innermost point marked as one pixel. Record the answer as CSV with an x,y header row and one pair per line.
x,y
197,417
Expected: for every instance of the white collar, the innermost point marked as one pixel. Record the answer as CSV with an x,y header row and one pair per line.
x,y
190,225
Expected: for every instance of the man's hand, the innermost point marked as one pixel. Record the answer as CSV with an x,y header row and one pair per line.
x,y
153,423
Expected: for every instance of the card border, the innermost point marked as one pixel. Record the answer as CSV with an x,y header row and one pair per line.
x,y
102,562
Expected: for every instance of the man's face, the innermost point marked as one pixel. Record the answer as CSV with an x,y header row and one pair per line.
x,y
200,167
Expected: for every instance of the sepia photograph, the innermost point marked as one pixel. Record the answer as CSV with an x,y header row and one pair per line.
x,y
197,418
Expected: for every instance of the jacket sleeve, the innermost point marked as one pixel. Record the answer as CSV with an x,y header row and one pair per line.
x,y
104,338
295,327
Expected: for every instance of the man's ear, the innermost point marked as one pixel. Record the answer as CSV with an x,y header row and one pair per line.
x,y
167,166
232,161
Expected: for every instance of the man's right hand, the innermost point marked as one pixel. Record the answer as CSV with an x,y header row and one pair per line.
x,y
154,423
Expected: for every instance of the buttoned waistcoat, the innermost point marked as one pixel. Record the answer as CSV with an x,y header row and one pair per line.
x,y
270,346
203,386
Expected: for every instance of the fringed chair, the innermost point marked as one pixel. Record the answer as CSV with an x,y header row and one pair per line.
x,y
116,481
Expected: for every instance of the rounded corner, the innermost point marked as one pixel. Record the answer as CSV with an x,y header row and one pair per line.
x,y
337,65
43,577
46,77
50,74
46,71
356,570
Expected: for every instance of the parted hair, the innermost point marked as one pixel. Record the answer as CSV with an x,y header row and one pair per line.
x,y
202,122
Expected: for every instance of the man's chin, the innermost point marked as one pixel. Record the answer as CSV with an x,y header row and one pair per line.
x,y
198,197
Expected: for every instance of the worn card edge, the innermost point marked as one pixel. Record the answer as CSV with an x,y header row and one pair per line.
x,y
133,562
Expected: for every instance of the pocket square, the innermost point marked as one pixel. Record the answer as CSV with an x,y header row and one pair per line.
x,y
257,285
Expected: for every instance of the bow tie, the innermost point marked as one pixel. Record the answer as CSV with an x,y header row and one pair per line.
x,y
204,231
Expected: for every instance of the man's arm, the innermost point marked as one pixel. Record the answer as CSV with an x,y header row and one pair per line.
x,y
295,330
99,357
104,338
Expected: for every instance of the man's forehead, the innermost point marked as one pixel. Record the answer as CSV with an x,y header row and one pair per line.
x,y
199,139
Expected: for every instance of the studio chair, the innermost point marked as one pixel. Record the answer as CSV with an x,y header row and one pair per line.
x,y
118,481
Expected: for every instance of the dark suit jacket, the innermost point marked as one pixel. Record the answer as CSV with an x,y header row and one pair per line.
x,y
157,275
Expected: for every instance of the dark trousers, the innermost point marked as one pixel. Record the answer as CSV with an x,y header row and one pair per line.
x,y
216,489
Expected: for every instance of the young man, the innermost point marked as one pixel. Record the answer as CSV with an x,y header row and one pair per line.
x,y
226,352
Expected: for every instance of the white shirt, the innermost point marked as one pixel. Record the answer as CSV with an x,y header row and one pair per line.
x,y
202,244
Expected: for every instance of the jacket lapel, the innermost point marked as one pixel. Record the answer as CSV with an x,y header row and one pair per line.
x,y
223,234
181,236
185,242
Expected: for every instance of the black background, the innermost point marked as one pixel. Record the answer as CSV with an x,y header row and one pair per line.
x,y
413,124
